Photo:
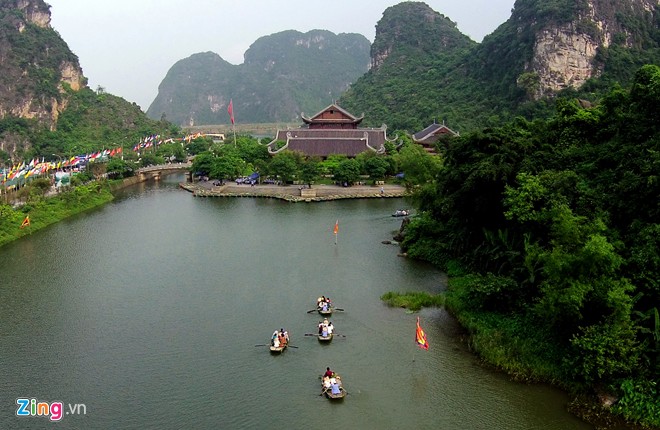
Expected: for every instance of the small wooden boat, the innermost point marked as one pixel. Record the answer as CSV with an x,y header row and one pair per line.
x,y
326,311
326,338
335,391
277,349
401,212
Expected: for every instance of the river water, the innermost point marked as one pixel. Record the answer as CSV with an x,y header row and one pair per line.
x,y
145,313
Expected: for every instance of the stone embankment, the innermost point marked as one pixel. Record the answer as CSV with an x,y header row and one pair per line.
x,y
295,193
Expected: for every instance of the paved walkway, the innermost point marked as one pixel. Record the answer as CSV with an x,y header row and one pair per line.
x,y
293,193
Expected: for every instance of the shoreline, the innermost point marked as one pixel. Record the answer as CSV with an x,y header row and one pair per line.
x,y
295,193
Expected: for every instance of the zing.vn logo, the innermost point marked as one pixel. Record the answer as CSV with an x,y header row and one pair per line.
x,y
53,410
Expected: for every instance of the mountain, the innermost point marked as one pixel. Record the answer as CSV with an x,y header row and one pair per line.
x,y
46,107
36,63
428,71
282,75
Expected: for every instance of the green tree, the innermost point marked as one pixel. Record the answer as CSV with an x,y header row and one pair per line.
x,y
310,170
348,172
286,165
118,168
376,167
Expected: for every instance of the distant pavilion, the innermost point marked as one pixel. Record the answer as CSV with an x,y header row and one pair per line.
x,y
331,131
431,134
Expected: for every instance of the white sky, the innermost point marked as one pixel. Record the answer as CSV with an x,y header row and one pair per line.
x,y
127,46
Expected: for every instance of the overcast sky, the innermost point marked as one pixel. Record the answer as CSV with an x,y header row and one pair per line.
x,y
127,46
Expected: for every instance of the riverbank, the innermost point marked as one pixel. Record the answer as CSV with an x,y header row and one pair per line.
x,y
50,210
295,193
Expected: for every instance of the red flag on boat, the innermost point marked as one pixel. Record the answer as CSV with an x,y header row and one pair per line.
x,y
420,337
230,110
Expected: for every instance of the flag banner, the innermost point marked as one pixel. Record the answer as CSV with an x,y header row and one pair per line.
x,y
230,110
336,229
420,337
26,221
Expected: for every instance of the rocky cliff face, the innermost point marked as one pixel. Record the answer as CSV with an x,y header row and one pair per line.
x,y
564,52
37,65
283,75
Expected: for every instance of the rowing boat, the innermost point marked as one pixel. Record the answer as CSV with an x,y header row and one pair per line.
x,y
277,349
336,389
327,338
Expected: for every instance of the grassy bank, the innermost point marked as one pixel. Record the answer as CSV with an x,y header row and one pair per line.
x,y
515,346
44,211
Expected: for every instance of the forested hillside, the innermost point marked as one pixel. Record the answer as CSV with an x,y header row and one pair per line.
x,y
427,70
46,108
557,223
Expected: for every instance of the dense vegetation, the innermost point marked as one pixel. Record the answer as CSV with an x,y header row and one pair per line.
x,y
283,75
428,72
555,225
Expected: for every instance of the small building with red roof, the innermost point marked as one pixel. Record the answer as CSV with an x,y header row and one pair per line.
x,y
431,135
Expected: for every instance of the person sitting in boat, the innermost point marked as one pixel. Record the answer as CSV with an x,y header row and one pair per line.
x,y
326,382
324,306
276,342
329,373
285,334
320,301
273,338
335,388
324,330
330,328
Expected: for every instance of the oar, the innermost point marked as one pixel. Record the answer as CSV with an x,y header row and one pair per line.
x,y
339,309
310,334
313,310
291,346
261,344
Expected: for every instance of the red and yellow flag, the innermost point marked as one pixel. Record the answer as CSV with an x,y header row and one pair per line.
x,y
26,221
336,229
420,337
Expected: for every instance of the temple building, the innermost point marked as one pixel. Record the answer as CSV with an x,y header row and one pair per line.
x,y
431,134
331,131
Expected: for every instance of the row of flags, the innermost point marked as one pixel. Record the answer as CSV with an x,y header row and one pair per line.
x,y
36,167
156,140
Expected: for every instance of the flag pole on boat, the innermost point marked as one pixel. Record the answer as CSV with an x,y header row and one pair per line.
x,y
336,230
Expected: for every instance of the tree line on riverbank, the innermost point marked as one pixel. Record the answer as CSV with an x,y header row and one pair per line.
x,y
550,231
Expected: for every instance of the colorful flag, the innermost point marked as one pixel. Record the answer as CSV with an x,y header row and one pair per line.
x,y
420,337
26,221
336,230
230,110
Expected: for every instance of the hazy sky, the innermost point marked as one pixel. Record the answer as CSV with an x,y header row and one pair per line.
x,y
127,46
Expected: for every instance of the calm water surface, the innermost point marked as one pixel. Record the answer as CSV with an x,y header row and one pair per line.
x,y
148,310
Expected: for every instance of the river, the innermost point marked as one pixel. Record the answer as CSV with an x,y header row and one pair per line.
x,y
145,314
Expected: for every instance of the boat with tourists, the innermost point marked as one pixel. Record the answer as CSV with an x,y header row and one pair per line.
x,y
324,306
279,341
401,212
332,386
326,331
